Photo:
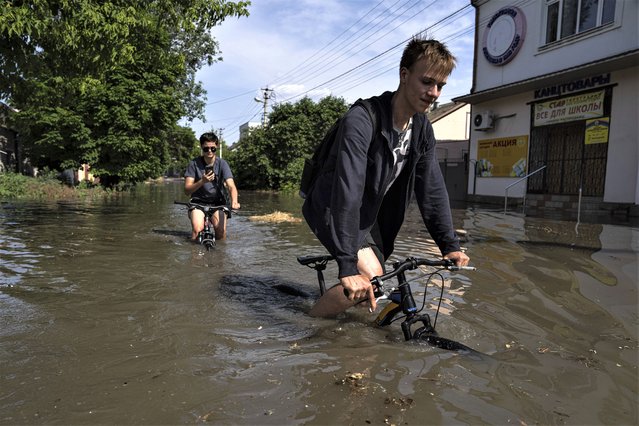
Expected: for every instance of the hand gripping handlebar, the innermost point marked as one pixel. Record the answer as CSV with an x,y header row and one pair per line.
x,y
410,264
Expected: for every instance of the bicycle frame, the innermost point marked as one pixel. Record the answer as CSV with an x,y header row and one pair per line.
x,y
206,237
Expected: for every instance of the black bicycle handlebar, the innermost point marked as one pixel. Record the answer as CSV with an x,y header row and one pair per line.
x,y
413,263
205,208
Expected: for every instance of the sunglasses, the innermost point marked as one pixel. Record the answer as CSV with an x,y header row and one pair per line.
x,y
209,149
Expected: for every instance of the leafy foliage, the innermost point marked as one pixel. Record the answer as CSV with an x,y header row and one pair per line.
x,y
105,82
273,157
45,187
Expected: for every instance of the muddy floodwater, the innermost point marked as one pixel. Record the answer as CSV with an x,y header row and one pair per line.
x,y
109,315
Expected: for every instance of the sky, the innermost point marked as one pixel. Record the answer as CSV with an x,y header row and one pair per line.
x,y
315,48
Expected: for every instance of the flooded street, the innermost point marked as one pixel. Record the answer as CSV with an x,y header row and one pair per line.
x,y
111,316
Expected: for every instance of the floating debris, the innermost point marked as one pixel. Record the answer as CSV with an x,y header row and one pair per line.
x,y
276,216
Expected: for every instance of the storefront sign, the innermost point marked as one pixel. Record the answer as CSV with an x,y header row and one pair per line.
x,y
504,35
573,86
503,157
580,107
597,130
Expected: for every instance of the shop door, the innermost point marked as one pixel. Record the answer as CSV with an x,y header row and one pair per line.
x,y
570,164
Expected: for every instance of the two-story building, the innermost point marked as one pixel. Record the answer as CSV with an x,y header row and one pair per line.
x,y
555,97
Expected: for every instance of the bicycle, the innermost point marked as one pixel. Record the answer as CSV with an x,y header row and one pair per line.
x,y
206,237
401,297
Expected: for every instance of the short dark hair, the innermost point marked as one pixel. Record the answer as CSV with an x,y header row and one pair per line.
x,y
209,137
434,51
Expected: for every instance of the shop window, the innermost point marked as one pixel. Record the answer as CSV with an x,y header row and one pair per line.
x,y
565,18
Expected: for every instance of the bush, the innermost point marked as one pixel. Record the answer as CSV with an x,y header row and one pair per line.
x,y
45,187
12,185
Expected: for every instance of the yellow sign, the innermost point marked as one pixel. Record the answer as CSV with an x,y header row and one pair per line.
x,y
597,130
503,157
563,110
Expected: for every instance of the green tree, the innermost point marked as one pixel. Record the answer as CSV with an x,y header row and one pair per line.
x,y
248,160
183,147
273,158
106,82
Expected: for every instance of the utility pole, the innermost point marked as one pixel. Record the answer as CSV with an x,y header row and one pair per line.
x,y
219,136
267,95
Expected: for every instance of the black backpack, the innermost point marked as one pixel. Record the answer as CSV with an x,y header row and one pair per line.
x,y
314,165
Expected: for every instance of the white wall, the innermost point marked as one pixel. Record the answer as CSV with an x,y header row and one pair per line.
x,y
622,172
534,58
508,126
454,126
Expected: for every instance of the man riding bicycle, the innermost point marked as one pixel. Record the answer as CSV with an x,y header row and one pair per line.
x,y
358,202
205,179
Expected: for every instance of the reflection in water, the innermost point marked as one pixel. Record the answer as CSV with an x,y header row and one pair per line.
x,y
111,315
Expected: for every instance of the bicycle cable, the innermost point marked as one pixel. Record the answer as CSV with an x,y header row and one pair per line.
x,y
428,280
441,295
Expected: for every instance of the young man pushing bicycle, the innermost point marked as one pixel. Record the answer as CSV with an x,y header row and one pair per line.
x,y
203,179
358,202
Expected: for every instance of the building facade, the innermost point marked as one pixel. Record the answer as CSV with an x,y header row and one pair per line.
x,y
451,125
246,128
555,103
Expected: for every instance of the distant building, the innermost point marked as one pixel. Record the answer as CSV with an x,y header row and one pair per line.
x,y
246,128
556,92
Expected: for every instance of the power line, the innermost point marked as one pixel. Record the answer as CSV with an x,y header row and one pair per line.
x,y
296,68
356,81
397,26
350,44
373,58
230,97
372,68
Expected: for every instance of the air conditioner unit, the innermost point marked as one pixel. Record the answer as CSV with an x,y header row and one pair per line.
x,y
483,120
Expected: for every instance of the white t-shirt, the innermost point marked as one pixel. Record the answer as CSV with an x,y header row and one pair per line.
x,y
401,146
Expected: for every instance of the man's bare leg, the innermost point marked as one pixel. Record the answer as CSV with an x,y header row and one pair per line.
x,y
334,301
219,225
197,222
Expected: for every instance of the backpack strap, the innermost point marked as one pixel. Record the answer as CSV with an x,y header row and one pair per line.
x,y
221,189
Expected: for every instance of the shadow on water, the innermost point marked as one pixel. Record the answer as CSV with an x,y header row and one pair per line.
x,y
278,307
266,295
173,233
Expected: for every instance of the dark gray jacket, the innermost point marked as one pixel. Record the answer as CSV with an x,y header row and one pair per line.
x,y
348,196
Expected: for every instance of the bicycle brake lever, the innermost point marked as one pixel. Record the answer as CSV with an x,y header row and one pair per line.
x,y
382,297
377,289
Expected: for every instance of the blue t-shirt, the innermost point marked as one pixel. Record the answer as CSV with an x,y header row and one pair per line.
x,y
210,190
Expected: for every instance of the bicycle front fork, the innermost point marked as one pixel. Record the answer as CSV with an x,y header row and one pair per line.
x,y
409,308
